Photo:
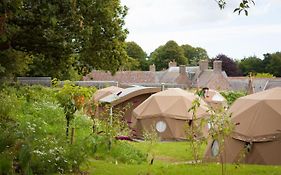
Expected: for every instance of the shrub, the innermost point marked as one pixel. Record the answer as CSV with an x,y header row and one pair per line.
x,y
32,138
231,96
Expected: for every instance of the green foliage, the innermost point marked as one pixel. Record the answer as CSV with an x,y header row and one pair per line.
x,y
264,75
63,38
103,39
72,98
220,128
169,52
244,6
251,64
272,63
136,52
151,138
32,140
131,64
14,63
231,96
194,131
121,152
194,54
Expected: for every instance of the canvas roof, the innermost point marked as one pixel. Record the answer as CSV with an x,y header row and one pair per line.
x,y
257,116
126,94
101,93
213,96
171,103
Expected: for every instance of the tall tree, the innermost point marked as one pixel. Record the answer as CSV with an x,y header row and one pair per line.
x,y
169,52
62,35
12,62
136,52
251,64
228,65
104,39
194,54
273,63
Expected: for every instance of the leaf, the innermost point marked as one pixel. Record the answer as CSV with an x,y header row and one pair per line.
x,y
235,10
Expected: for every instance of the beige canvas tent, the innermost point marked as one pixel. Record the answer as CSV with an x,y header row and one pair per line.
x,y
214,99
257,133
128,99
167,112
99,94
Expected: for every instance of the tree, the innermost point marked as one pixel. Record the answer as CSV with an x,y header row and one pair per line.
x,y
12,62
273,63
136,52
228,65
194,54
251,64
103,42
64,36
169,52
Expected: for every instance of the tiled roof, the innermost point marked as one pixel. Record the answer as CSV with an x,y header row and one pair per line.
x,y
207,78
213,80
123,76
259,84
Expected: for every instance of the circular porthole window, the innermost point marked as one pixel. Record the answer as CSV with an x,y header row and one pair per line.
x,y
161,126
215,148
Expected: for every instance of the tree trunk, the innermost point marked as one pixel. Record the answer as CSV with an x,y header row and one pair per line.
x,y
72,135
67,127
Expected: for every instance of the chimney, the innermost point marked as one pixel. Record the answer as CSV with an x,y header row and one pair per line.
x,y
217,66
152,68
203,65
172,64
182,70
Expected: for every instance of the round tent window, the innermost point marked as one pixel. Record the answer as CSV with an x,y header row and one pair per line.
x,y
161,126
215,148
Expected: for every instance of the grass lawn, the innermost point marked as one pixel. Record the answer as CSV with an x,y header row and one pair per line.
x,y
103,167
170,152
171,158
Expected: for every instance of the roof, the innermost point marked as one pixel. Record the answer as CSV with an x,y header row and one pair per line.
x,y
123,76
207,78
128,93
259,84
101,93
257,116
213,80
171,103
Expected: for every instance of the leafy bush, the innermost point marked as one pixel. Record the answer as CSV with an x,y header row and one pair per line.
x,y
231,96
32,138
264,75
120,151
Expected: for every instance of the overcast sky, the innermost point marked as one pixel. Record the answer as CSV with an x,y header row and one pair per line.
x,y
201,23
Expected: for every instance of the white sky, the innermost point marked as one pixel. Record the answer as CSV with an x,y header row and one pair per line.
x,y
201,23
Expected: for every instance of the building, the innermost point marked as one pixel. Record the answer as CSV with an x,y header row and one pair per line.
x,y
175,76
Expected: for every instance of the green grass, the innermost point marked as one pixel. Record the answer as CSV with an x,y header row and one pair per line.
x,y
169,151
105,168
172,158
